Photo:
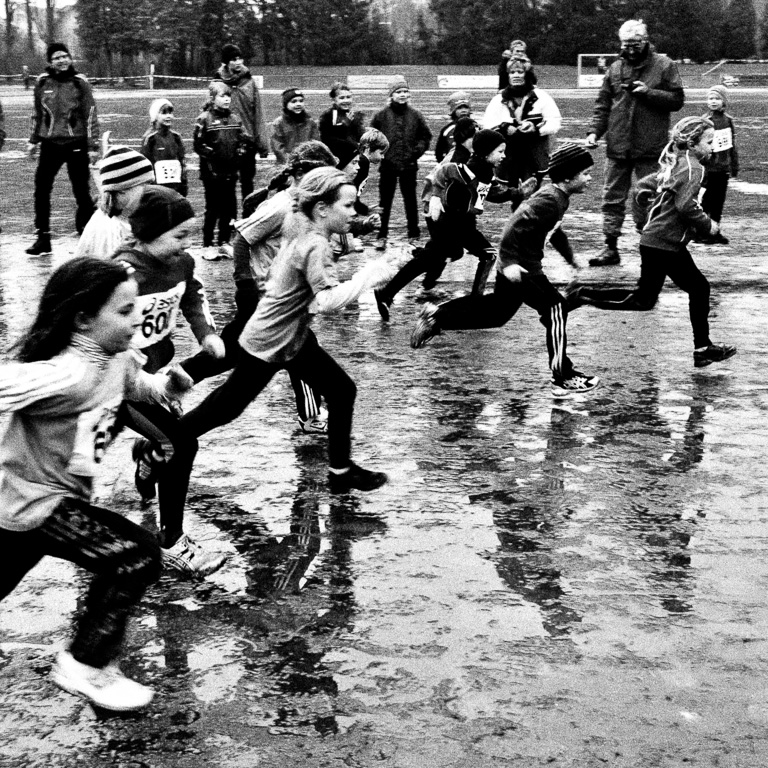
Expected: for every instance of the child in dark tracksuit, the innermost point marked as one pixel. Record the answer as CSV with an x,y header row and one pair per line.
x,y
409,138
459,106
340,127
219,139
667,226
164,148
460,189
724,162
519,276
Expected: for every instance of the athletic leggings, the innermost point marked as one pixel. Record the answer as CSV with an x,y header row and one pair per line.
x,y
178,449
496,309
449,238
123,557
313,365
655,266
203,366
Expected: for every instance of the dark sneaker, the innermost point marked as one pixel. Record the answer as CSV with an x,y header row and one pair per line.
x,y
714,353
41,246
145,477
356,478
380,244
382,304
576,383
606,258
426,326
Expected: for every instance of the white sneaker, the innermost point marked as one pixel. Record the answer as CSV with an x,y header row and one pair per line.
x,y
187,556
211,253
107,688
226,251
576,384
315,424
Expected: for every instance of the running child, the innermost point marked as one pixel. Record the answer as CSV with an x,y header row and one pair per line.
x,y
165,273
164,148
219,139
519,276
724,162
75,367
673,218
303,282
123,177
293,127
340,127
460,189
256,244
460,107
409,138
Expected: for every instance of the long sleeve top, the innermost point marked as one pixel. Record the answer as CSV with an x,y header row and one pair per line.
x,y
341,131
725,157
63,413
408,133
164,148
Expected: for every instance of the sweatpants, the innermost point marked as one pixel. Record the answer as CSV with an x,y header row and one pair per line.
x,y
655,266
450,236
124,558
389,177
494,310
178,450
220,207
52,156
313,365
203,366
713,200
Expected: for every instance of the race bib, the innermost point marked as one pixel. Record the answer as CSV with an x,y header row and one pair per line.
x,y
94,432
482,193
158,315
168,172
723,140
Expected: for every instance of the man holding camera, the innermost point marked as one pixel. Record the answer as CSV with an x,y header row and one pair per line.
x,y
639,92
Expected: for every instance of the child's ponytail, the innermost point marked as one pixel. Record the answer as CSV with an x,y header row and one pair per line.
x,y
685,134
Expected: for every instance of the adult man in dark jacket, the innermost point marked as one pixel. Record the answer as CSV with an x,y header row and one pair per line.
x,y
246,103
639,92
65,128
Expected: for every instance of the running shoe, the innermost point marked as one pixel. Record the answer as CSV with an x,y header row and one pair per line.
x,y
107,688
426,326
189,557
714,353
380,244
317,424
356,478
145,477
226,251
211,253
576,383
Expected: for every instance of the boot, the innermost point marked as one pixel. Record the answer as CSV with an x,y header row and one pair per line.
x,y
41,246
607,257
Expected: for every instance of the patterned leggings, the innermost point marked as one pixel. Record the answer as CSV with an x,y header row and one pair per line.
x,y
124,558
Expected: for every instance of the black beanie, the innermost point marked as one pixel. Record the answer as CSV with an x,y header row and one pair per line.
x,y
230,51
54,48
290,93
160,210
568,160
486,141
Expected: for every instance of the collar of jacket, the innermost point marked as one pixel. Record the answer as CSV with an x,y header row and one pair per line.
x,y
67,74
233,80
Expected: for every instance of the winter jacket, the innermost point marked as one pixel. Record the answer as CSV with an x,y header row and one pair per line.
x,y
218,138
464,187
164,146
636,125
341,131
246,103
288,132
674,214
65,110
408,135
726,160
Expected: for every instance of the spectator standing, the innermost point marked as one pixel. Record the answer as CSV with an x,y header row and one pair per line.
x,y
164,148
65,130
340,127
246,104
639,92
293,127
515,47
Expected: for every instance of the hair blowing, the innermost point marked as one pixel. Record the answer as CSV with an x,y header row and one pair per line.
x,y
82,285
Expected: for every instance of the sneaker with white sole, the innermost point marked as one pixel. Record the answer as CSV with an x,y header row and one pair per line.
x,y
189,557
211,253
107,688
315,424
426,326
226,251
576,383
714,353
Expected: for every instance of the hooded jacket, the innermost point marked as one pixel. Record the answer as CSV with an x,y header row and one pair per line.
x,y
637,125
246,103
65,110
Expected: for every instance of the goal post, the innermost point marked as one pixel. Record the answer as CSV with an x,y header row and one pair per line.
x,y
592,68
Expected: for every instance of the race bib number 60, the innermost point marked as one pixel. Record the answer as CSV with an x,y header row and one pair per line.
x,y
158,315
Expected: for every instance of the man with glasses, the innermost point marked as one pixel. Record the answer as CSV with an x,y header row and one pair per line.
x,y
65,129
639,92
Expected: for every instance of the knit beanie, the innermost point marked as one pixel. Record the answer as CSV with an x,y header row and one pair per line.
x,y
122,168
54,48
486,141
156,106
568,160
721,91
465,129
291,93
160,210
458,99
230,51
396,83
